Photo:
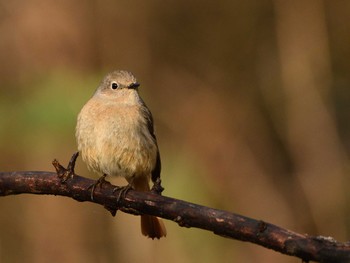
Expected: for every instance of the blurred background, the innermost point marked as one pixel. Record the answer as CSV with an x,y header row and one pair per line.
x,y
251,106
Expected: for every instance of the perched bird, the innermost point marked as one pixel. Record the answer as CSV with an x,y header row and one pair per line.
x,y
115,137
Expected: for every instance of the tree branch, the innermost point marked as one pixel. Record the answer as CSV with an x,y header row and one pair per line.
x,y
226,224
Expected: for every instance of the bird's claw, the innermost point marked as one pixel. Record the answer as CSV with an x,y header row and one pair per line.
x,y
157,187
122,191
100,181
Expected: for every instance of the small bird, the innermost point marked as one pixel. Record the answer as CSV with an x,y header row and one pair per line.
x,y
115,136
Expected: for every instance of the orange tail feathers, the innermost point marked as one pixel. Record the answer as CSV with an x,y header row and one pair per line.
x,y
152,227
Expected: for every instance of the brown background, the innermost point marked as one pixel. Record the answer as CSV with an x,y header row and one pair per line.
x,y
251,105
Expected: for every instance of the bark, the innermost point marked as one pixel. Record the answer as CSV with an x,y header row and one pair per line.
x,y
185,214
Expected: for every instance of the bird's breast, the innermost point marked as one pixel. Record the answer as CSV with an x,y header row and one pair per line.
x,y
115,140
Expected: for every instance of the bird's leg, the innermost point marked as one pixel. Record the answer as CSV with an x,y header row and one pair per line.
x,y
124,189
100,181
157,186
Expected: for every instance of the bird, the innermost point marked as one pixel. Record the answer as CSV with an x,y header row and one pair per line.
x,y
115,136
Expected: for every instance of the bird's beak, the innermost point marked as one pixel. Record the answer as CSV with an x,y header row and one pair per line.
x,y
134,85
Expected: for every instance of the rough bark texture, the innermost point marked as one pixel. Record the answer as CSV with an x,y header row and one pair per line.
x,y
223,223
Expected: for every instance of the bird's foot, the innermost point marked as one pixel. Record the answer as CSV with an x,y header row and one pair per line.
x,y
122,191
100,181
157,187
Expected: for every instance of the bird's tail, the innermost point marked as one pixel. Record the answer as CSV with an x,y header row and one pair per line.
x,y
152,226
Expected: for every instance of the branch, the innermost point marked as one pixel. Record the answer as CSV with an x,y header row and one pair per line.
x,y
226,224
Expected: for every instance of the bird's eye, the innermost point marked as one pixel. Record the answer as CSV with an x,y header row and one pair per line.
x,y
115,85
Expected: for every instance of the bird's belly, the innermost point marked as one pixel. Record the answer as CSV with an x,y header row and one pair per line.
x,y
128,151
